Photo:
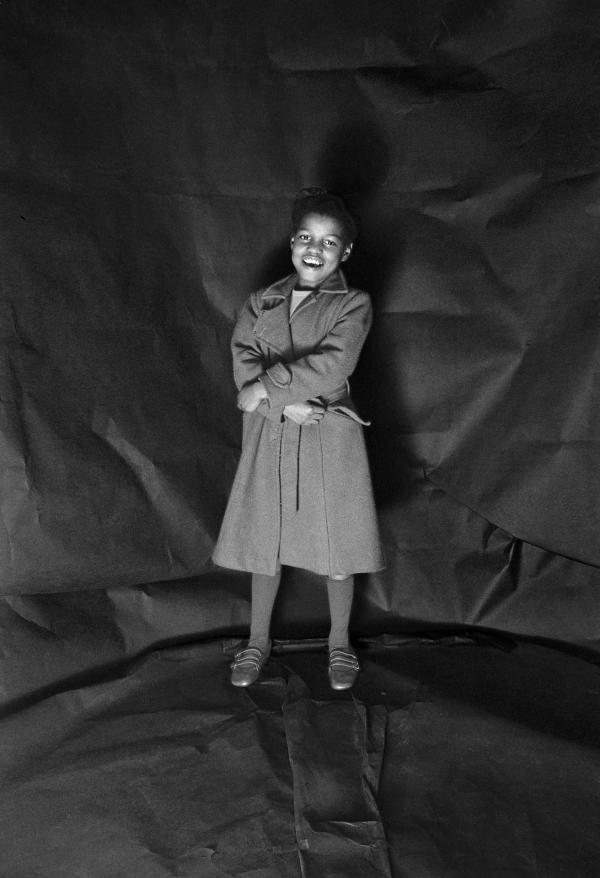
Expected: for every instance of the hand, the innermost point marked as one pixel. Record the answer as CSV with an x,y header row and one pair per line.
x,y
304,413
251,396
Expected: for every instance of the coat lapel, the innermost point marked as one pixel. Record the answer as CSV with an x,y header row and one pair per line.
x,y
273,321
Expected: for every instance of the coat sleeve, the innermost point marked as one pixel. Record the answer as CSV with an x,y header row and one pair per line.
x,y
248,361
331,362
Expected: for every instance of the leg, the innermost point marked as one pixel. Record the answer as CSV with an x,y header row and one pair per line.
x,y
264,592
343,664
340,593
248,662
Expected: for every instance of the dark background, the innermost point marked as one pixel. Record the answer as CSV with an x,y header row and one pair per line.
x,y
149,153
149,157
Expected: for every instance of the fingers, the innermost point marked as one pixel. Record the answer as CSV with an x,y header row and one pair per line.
x,y
305,417
303,421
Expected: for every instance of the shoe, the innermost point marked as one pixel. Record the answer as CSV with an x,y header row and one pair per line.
x,y
343,668
247,665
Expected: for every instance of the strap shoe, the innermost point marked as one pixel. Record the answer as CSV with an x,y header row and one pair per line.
x,y
343,668
247,665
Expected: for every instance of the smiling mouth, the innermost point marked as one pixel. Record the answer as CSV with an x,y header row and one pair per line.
x,y
312,262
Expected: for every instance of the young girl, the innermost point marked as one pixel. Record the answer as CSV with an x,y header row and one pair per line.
x,y
302,493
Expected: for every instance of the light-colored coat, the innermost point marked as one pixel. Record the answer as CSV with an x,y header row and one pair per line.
x,y
301,495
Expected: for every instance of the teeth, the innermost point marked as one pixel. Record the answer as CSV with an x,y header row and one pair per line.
x,y
315,262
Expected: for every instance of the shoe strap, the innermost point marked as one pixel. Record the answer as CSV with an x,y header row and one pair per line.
x,y
342,658
252,655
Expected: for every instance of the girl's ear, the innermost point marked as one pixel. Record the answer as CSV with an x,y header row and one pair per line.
x,y
292,239
347,252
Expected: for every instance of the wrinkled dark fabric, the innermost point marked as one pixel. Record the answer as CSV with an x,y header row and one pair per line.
x,y
149,153
149,159
451,757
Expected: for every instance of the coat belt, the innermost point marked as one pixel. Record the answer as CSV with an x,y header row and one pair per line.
x,y
332,401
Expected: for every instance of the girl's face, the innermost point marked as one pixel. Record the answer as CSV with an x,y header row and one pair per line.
x,y
318,248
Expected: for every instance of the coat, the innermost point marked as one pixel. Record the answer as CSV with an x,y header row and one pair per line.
x,y
302,495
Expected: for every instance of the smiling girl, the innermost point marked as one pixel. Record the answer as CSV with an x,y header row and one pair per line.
x,y
302,493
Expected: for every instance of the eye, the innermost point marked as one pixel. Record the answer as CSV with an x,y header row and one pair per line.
x,y
330,243
303,236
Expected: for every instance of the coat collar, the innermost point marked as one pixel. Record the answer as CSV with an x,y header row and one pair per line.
x,y
281,289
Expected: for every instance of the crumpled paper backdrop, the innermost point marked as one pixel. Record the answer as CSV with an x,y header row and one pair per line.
x,y
149,153
149,156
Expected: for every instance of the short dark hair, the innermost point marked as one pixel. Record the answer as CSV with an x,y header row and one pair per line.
x,y
315,200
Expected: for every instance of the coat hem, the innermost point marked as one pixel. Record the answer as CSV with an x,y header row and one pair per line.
x,y
258,568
